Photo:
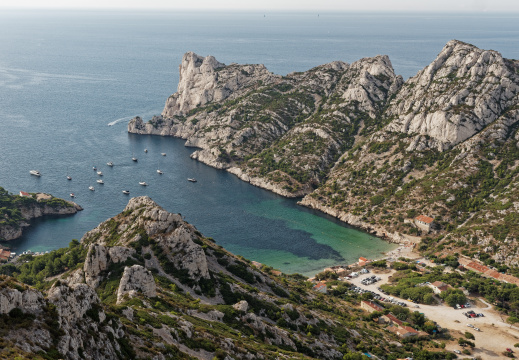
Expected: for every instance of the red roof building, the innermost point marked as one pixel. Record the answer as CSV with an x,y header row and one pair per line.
x,y
423,222
25,194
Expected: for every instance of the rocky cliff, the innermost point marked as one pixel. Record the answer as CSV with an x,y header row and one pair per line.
x,y
358,142
146,284
18,211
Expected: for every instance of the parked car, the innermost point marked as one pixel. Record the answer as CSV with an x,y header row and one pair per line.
x,y
477,329
470,325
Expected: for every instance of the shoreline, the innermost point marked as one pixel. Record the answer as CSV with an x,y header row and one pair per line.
x,y
207,158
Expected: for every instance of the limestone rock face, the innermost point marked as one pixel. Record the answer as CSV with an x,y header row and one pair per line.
x,y
142,217
73,301
241,306
99,258
28,300
136,279
462,91
205,80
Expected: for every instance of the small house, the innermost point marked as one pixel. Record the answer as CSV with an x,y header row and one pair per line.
x,y
4,255
438,287
25,194
370,306
424,222
320,287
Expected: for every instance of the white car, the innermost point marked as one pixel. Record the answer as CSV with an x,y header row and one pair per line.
x,y
477,329
457,351
470,325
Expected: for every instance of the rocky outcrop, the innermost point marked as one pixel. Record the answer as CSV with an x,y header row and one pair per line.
x,y
264,110
205,80
462,91
41,205
29,300
98,259
136,279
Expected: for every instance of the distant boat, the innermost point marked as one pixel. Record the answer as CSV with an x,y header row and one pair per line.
x,y
191,179
72,195
69,177
100,173
91,188
145,150
143,183
163,154
126,192
110,163
94,168
100,181
35,172
160,171
134,159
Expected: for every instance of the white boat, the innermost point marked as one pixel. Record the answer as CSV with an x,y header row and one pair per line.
x,y
143,183
72,195
126,192
191,179
163,154
100,181
159,171
100,173
35,172
69,177
110,163
145,150
134,159
94,168
91,188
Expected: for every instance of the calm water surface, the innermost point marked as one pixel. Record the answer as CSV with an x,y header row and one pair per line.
x,y
66,76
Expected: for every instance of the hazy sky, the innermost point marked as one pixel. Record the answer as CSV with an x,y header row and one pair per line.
x,y
273,5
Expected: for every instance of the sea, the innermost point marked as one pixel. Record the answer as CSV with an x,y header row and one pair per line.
x,y
71,80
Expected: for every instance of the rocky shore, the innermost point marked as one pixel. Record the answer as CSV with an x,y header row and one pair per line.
x,y
358,142
39,208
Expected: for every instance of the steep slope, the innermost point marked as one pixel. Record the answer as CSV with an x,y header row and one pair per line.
x,y
462,91
146,284
280,133
360,144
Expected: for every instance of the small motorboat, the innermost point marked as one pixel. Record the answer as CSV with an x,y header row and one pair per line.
x,y
100,181
91,188
126,192
145,150
69,177
143,183
35,172
110,163
94,168
191,179
134,159
163,154
100,173
72,195
159,171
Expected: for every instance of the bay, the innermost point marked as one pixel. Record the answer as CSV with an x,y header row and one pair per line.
x,y
71,80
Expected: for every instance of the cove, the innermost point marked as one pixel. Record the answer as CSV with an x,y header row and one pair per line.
x,y
244,219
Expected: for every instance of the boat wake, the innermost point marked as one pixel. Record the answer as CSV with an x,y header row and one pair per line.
x,y
145,116
127,118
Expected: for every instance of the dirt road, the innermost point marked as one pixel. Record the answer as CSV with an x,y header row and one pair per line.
x,y
495,335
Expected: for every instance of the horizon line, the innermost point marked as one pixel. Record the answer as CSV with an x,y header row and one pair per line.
x,y
266,11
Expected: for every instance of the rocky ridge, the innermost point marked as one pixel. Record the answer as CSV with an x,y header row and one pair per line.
x,y
149,285
357,142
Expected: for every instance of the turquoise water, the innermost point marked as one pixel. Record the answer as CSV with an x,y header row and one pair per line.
x,y
66,76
